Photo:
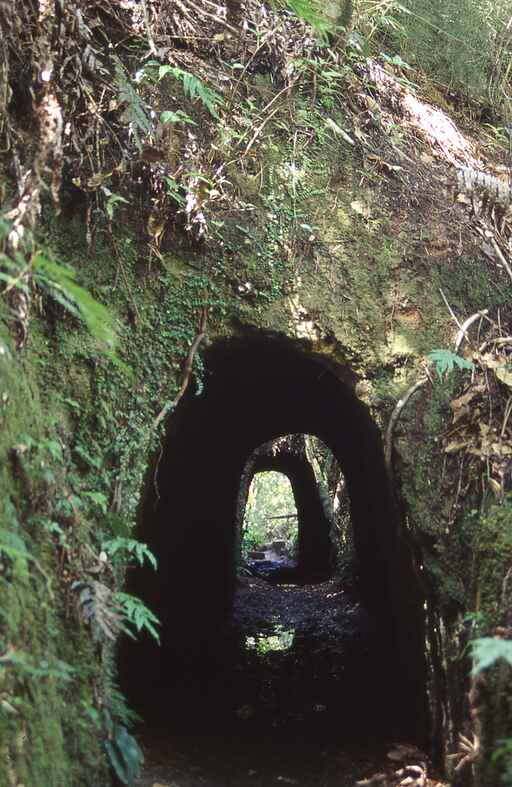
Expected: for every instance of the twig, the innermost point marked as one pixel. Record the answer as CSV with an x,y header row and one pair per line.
x,y
466,325
265,121
454,317
500,340
508,411
501,256
214,18
259,130
120,267
147,24
187,369
388,443
262,43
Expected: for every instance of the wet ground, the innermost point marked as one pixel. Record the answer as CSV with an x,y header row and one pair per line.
x,y
294,697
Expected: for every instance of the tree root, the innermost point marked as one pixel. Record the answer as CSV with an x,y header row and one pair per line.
x,y
388,443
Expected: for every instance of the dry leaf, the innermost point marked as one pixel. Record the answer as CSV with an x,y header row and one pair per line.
x,y
463,400
453,446
361,208
504,374
496,487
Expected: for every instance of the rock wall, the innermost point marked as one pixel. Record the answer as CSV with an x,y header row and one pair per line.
x,y
321,216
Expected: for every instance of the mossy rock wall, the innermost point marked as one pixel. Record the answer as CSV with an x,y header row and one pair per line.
x,y
338,245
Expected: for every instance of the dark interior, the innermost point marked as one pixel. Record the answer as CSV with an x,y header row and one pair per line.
x,y
256,389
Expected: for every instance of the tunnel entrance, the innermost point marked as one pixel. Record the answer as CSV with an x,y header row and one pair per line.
x,y
269,531
298,472
257,389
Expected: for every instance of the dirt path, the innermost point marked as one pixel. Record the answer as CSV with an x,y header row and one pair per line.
x,y
291,700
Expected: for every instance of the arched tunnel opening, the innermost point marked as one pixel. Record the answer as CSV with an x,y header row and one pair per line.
x,y
312,548
371,684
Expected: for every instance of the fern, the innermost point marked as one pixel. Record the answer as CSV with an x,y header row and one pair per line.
x,y
446,360
59,282
99,609
13,548
136,548
123,752
193,88
135,113
136,614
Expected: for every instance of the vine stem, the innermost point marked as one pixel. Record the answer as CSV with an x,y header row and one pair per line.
x,y
187,369
388,445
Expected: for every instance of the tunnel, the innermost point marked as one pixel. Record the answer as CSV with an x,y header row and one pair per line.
x,y
314,558
257,388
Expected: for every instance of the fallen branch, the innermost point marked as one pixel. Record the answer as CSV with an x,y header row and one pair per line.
x,y
467,324
187,369
388,444
501,257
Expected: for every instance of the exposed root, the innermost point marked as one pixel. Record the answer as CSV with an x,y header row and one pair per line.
x,y
388,444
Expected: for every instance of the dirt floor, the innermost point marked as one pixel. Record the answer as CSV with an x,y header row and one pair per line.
x,y
291,701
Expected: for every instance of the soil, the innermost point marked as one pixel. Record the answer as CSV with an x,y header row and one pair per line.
x,y
290,702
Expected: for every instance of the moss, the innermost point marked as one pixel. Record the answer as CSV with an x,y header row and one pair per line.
x,y
310,252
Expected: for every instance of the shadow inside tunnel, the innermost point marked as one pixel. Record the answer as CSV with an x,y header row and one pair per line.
x,y
257,388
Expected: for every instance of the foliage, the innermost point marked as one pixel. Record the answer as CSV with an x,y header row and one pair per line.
x,y
446,360
138,549
486,651
310,12
193,88
503,757
97,605
60,283
13,549
135,613
465,44
135,114
123,752
270,495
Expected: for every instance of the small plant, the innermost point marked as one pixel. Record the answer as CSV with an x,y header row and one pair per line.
x,y
135,613
123,751
135,113
446,360
192,87
502,756
137,549
99,609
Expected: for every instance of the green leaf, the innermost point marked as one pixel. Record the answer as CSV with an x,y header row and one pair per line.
x,y
112,201
310,13
176,117
173,190
14,548
163,70
446,360
130,750
60,283
117,762
487,650
137,614
99,499
140,550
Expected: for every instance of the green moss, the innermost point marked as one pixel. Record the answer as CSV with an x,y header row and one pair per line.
x,y
311,253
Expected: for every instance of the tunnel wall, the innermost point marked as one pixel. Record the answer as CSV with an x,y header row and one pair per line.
x,y
256,390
